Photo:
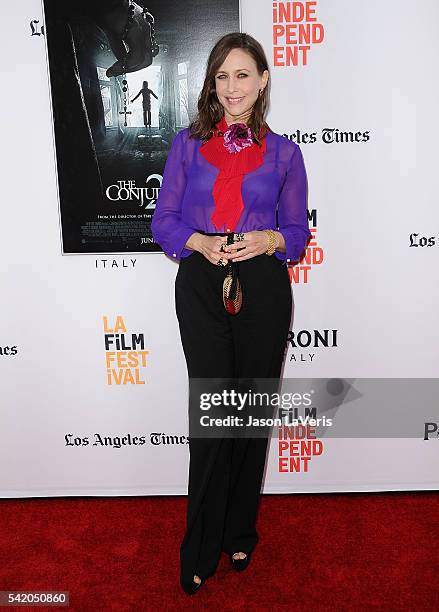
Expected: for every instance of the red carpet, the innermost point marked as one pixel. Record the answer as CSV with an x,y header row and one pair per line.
x,y
375,551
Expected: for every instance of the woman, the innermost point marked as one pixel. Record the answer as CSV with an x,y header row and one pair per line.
x,y
225,176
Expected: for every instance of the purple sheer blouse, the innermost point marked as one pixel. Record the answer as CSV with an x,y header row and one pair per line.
x,y
185,203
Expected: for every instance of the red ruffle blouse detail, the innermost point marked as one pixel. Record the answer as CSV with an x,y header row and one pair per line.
x,y
233,166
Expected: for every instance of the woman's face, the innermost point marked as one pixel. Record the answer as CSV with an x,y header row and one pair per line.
x,y
237,85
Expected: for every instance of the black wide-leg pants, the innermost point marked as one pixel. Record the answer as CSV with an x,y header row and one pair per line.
x,y
225,474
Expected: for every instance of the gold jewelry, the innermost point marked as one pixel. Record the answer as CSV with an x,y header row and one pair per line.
x,y
272,241
221,262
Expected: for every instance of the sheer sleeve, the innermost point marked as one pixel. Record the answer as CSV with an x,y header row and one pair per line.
x,y
167,227
293,209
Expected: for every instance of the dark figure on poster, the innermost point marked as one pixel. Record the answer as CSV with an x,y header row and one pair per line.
x,y
146,93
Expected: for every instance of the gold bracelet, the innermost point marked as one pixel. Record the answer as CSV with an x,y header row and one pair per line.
x,y
272,241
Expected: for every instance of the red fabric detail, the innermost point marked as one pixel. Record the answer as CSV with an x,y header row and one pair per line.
x,y
233,166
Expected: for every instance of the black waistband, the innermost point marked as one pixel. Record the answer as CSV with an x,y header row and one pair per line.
x,y
214,233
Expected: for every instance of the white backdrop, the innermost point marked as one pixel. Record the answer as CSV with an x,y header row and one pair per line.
x,y
372,75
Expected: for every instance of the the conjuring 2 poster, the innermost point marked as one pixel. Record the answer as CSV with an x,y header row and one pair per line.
x,y
125,78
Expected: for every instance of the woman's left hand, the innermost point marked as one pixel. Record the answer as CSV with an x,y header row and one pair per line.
x,y
255,243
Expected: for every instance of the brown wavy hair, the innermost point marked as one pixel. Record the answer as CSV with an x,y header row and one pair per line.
x,y
210,109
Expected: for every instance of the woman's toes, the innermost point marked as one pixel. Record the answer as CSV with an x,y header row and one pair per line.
x,y
239,555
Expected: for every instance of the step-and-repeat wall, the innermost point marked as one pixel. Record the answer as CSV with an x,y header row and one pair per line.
x,y
93,382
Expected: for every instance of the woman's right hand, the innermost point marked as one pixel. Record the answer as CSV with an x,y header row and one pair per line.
x,y
209,246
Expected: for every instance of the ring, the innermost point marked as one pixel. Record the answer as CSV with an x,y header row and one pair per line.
x,y
223,244
220,262
238,237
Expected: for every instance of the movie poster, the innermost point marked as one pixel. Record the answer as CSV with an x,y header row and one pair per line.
x,y
125,78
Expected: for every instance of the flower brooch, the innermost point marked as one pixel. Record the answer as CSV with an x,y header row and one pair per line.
x,y
237,137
